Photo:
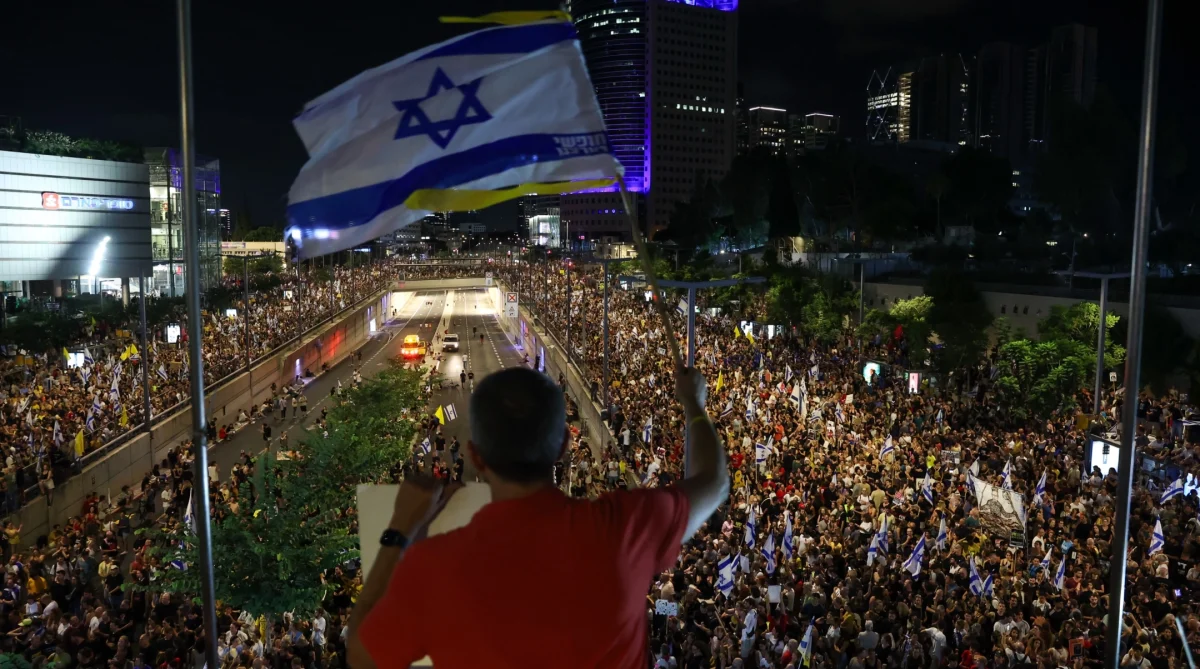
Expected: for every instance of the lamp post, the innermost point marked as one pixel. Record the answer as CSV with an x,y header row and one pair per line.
x,y
1133,345
691,287
183,26
145,355
1104,278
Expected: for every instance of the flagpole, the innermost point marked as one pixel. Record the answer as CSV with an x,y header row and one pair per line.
x,y
145,358
195,329
1133,346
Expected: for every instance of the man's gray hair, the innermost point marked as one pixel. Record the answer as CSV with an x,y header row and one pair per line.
x,y
518,423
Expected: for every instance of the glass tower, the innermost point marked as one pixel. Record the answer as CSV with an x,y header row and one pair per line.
x,y
166,230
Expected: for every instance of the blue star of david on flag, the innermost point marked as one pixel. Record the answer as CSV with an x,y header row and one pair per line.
x,y
415,122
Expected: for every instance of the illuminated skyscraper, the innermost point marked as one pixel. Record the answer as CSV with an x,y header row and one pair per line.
x,y
924,100
665,76
769,129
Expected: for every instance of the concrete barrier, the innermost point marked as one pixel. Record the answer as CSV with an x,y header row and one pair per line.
x,y
535,341
127,464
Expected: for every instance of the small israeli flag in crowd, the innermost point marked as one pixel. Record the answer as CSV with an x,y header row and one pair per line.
x,y
943,535
806,644
87,357
751,529
90,423
787,374
883,536
85,374
647,428
1006,475
913,564
1157,540
988,584
58,436
768,552
927,488
888,447
1172,491
114,393
189,515
1041,488
451,412
760,453
1060,577
975,585
162,372
873,550
443,129
725,575
1046,560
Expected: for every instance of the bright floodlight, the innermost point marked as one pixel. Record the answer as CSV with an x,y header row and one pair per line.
x,y
98,256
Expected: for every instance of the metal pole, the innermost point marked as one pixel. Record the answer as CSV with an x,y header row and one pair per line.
x,y
862,288
691,363
1100,348
1133,346
568,310
607,399
246,307
195,331
170,239
145,354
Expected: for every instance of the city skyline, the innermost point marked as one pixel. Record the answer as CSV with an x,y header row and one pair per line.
x,y
254,70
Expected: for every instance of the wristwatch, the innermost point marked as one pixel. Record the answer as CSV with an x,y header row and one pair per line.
x,y
393,539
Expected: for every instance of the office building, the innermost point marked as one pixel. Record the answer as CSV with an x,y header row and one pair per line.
x,y
1062,69
998,108
924,100
665,77
741,140
768,129
226,223
166,195
61,218
819,129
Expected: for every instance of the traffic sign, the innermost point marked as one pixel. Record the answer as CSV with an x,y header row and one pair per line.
x,y
510,298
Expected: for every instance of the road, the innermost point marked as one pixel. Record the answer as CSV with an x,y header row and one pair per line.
x,y
467,312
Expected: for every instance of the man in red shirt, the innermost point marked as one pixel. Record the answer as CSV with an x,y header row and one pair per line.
x,y
536,579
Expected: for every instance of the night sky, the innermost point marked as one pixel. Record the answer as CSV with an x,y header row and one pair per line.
x,y
108,69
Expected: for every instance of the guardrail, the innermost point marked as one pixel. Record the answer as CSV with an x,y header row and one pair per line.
x,y
30,473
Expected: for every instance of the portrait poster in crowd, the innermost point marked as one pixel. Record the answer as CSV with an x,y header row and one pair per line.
x,y
1001,511
664,608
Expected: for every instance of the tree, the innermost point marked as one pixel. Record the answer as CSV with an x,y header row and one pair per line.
x,y
263,234
1038,378
294,519
1079,323
959,317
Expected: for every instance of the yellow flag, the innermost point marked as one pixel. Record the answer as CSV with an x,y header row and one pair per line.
x,y
125,354
66,353
133,349
720,381
737,332
124,420
750,337
441,415
79,444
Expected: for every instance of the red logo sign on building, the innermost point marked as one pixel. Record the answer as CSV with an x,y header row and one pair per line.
x,y
50,200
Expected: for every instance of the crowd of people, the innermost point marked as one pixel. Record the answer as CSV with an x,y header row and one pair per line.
x,y
862,528
52,414
844,488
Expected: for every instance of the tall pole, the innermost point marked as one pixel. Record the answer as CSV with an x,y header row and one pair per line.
x,y
569,310
607,399
145,353
246,306
195,332
862,288
1133,346
691,363
1100,348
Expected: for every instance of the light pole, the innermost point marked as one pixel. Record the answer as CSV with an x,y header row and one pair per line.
x,y
183,16
604,326
1133,345
691,287
145,355
1104,278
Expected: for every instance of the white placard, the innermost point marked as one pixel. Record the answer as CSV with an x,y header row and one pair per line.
x,y
773,592
375,504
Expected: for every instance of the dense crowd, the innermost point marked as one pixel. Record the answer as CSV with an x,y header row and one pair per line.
x,y
836,482
52,414
843,488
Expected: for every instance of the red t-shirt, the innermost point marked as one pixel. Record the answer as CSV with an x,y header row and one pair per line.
x,y
543,581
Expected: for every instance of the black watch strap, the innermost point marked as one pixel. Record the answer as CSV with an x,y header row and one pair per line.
x,y
393,539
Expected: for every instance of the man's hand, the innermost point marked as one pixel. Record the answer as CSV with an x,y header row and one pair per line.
x,y
691,389
418,501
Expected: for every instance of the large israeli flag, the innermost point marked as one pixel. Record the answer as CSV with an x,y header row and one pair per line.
x,y
1157,539
913,564
725,575
444,128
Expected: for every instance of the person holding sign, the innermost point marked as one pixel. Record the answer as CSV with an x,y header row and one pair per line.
x,y
518,550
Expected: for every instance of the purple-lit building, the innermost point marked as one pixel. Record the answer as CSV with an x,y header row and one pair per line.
x,y
665,74
166,229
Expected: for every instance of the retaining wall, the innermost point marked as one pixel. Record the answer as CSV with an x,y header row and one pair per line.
x,y
127,464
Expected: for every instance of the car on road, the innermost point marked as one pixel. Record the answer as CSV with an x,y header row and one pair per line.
x,y
412,347
450,342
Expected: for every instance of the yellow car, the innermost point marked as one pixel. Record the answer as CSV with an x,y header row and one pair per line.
x,y
412,347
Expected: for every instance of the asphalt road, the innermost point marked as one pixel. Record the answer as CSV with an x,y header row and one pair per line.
x,y
419,316
471,316
467,313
